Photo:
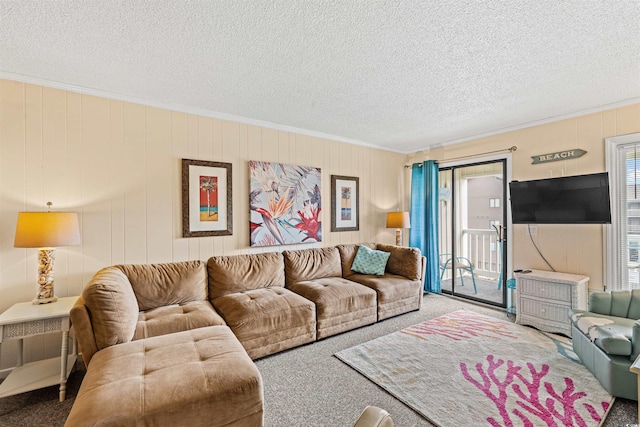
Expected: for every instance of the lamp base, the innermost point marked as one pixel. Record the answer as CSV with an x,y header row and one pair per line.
x,y
398,237
37,300
45,293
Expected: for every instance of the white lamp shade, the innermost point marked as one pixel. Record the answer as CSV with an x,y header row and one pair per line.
x,y
47,229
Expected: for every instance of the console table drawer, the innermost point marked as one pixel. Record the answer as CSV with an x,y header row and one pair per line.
x,y
544,310
548,290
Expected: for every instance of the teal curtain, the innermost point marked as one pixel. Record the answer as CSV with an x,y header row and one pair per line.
x,y
424,219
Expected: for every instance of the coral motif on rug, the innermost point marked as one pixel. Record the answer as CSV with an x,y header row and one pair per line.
x,y
465,368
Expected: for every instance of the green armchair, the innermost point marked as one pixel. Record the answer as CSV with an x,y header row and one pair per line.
x,y
606,338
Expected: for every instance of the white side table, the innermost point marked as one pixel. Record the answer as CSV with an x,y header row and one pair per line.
x,y
25,320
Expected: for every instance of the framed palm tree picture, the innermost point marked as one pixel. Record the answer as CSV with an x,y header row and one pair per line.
x,y
206,199
345,203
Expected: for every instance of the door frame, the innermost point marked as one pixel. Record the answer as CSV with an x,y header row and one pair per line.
x,y
507,157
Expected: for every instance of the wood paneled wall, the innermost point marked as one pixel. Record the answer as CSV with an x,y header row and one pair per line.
x,y
569,248
119,165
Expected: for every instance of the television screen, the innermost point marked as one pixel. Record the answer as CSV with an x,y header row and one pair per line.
x,y
581,199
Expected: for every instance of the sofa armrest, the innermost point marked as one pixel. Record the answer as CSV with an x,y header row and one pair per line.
x,y
83,330
112,306
635,340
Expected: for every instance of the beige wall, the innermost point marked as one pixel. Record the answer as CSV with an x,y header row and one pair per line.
x,y
118,165
569,248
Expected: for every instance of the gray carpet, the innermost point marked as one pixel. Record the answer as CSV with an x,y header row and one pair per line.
x,y
306,386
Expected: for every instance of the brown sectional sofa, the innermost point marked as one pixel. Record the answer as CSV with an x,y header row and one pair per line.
x,y
269,301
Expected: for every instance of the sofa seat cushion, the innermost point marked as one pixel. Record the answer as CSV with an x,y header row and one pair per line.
x,y
268,320
395,294
176,318
197,377
612,334
341,304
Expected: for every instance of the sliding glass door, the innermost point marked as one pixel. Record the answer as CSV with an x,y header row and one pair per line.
x,y
472,214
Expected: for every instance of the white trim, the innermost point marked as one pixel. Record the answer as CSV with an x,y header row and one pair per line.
x,y
188,110
269,125
552,119
612,257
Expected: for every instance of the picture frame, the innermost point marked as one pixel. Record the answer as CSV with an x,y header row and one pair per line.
x,y
345,203
285,202
206,198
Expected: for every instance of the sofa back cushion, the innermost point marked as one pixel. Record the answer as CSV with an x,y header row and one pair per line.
x,y
311,264
620,301
158,285
112,307
616,303
235,273
348,254
403,261
634,306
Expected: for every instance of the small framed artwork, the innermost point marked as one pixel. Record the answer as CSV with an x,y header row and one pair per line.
x,y
206,199
345,203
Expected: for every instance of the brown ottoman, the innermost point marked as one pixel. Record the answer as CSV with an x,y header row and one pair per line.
x,y
196,378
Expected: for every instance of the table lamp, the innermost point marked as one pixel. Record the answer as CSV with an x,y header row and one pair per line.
x,y
398,220
46,230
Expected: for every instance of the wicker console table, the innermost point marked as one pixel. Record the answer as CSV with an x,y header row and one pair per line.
x,y
544,298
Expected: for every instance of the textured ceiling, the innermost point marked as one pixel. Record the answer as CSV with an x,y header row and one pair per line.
x,y
399,75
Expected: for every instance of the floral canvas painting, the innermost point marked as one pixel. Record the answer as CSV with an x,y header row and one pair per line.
x,y
285,204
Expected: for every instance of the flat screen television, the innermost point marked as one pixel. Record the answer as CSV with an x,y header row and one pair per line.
x,y
580,199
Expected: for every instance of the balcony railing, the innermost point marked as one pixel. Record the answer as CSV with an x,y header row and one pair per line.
x,y
482,248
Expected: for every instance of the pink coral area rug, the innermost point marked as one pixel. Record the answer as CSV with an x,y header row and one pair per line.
x,y
467,369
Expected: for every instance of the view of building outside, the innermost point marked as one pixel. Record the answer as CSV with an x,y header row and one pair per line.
x,y
483,212
485,202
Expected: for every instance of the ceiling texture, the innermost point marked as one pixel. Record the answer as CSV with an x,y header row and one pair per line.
x,y
397,75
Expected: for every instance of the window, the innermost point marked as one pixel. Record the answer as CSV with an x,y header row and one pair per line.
x,y
623,235
494,203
